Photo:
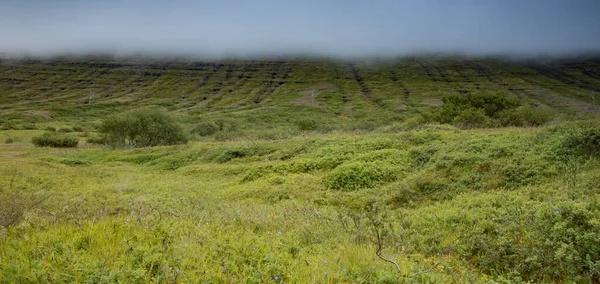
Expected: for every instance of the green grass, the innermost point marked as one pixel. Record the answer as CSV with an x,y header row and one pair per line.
x,y
293,189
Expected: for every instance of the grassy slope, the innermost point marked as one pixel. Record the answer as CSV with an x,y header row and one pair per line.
x,y
495,203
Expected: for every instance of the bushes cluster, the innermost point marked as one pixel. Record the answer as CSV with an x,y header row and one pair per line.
x,y
552,242
582,141
142,128
488,110
52,139
359,175
205,128
15,203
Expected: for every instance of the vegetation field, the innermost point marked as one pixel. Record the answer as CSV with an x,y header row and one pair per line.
x,y
407,170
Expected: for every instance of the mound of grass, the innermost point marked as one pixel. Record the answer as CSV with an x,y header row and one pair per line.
x,y
359,175
51,139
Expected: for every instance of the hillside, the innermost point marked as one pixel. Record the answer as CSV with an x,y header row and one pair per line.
x,y
371,92
304,171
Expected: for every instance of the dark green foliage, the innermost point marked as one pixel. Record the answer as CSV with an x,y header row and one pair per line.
x,y
9,140
95,139
65,130
51,128
473,110
307,124
51,139
206,128
551,242
142,128
526,115
229,155
582,141
359,175
471,118
28,126
77,128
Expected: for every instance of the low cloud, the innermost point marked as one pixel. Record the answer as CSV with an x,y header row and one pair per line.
x,y
349,28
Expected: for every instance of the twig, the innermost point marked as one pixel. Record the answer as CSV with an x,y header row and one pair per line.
x,y
445,252
380,248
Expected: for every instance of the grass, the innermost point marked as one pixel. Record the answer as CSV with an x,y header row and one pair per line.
x,y
295,191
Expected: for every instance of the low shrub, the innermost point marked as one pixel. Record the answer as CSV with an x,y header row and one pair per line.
x,y
51,139
473,110
229,155
9,140
77,128
14,204
307,124
471,118
94,139
28,126
65,130
359,175
582,142
142,128
51,128
526,115
205,128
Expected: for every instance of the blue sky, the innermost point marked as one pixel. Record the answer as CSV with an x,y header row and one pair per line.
x,y
323,27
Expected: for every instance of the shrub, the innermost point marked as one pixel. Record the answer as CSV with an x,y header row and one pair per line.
x,y
359,175
142,128
65,130
51,128
473,110
307,124
526,115
51,139
77,128
28,126
229,155
582,141
9,140
205,128
95,140
471,118
14,204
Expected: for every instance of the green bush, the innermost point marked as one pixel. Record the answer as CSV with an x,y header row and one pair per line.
x,y
142,128
473,110
554,242
51,139
526,115
229,155
471,118
205,128
307,124
9,140
95,140
359,175
582,141
65,130
28,126
77,128
51,128
15,203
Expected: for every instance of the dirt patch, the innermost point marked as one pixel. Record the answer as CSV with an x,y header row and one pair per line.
x,y
43,113
401,107
562,101
309,97
433,102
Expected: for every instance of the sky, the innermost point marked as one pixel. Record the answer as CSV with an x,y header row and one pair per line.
x,y
318,27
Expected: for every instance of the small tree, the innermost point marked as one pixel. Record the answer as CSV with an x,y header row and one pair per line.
x,y
142,128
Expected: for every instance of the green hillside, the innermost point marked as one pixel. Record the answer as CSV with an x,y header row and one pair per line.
x,y
411,170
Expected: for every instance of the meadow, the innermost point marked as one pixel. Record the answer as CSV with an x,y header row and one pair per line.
x,y
407,170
